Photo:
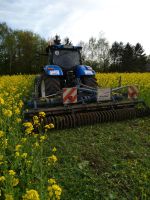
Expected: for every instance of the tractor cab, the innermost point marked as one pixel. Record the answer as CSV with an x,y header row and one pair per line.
x,y
66,56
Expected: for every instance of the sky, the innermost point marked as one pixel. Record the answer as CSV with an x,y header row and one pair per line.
x,y
118,20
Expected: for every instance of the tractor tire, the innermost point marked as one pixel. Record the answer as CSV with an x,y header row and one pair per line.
x,y
49,85
90,81
37,83
45,85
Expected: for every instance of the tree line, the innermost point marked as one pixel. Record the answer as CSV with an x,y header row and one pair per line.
x,y
18,50
117,58
19,53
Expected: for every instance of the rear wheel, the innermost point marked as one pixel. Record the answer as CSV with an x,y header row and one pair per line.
x,y
37,83
90,81
47,85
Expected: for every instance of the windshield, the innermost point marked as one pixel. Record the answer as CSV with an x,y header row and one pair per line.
x,y
66,58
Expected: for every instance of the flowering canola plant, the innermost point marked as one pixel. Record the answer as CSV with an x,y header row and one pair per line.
x,y
24,166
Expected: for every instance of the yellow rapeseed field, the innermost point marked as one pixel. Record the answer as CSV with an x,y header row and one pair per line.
x,y
24,172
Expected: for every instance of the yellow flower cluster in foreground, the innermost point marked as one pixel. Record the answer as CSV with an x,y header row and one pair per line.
x,y
53,189
22,158
31,195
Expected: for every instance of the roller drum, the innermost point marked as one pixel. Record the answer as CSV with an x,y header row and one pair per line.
x,y
72,120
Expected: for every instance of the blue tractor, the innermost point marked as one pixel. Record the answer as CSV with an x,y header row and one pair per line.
x,y
65,70
67,91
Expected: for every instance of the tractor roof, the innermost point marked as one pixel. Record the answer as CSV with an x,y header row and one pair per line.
x,y
65,47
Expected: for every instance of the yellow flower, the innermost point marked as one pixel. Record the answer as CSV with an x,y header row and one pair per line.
x,y
29,130
42,114
2,178
1,101
1,134
5,142
1,163
54,190
17,154
18,120
54,149
31,195
51,181
17,96
56,187
7,113
17,111
15,181
9,197
49,188
24,155
28,162
18,147
6,93
36,120
1,157
57,193
52,159
57,190
35,117
50,191
42,138
36,144
46,126
20,104
13,89
51,125
27,124
11,172
23,140
29,127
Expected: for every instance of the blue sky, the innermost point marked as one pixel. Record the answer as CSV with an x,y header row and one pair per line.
x,y
119,20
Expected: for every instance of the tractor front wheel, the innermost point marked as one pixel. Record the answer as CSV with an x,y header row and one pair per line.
x,y
90,81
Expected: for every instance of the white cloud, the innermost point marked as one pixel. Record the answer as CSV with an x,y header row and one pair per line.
x,y
120,20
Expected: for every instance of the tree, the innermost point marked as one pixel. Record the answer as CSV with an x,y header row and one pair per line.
x,y
116,54
128,61
18,51
140,58
84,51
27,44
95,52
102,51
127,58
92,46
7,48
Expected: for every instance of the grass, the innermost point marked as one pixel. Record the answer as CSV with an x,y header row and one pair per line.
x,y
104,161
